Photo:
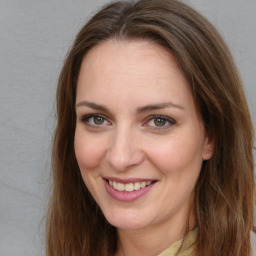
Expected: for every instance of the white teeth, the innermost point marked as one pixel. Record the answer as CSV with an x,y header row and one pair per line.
x,y
129,187
119,186
136,186
143,184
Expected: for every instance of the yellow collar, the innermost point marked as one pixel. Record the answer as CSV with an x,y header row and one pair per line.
x,y
188,245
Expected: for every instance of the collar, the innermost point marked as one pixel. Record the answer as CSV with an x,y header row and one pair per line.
x,y
187,245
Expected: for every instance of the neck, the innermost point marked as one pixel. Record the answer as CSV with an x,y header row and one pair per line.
x,y
155,239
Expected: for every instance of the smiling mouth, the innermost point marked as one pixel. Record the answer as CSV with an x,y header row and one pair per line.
x,y
129,187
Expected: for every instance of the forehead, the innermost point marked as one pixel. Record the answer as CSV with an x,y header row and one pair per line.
x,y
130,70
120,55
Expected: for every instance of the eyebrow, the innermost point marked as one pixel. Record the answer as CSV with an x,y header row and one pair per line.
x,y
152,107
92,105
147,108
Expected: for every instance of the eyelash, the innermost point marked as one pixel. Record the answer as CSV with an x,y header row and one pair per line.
x,y
85,119
166,119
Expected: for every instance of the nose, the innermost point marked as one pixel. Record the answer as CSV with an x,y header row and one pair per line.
x,y
125,151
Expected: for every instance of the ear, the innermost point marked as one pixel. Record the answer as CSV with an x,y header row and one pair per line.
x,y
208,147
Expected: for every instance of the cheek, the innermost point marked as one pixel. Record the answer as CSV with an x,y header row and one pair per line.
x,y
178,155
89,150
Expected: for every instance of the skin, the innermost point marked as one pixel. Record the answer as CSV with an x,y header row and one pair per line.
x,y
128,141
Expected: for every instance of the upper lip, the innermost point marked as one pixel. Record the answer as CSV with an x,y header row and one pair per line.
x,y
128,180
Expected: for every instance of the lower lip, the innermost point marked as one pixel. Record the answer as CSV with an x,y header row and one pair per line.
x,y
127,196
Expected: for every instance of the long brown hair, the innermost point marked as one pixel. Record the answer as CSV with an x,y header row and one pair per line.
x,y
225,188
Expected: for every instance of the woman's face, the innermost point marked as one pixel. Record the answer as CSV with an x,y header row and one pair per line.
x,y
139,140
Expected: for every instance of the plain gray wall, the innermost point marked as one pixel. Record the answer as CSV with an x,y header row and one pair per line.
x,y
34,38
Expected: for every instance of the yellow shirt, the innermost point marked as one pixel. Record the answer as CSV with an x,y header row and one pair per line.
x,y
187,247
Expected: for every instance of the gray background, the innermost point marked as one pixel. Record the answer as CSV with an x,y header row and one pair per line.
x,y
34,38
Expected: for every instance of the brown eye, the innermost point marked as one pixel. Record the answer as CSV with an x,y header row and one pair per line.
x,y
95,120
98,120
159,122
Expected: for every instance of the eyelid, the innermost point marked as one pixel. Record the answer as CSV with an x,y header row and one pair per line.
x,y
171,121
84,119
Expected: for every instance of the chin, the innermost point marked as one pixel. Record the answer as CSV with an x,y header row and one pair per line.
x,y
128,225
128,220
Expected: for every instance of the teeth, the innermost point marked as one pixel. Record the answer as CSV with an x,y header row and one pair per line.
x,y
129,187
143,184
119,186
136,186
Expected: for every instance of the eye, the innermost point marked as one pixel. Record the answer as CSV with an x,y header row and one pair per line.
x,y
95,120
98,120
160,122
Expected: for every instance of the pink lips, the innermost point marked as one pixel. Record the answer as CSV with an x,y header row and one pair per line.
x,y
124,195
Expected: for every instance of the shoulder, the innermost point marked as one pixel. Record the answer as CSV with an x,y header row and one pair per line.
x,y
253,243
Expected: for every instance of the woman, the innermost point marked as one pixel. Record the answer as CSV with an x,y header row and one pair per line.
x,y
153,147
